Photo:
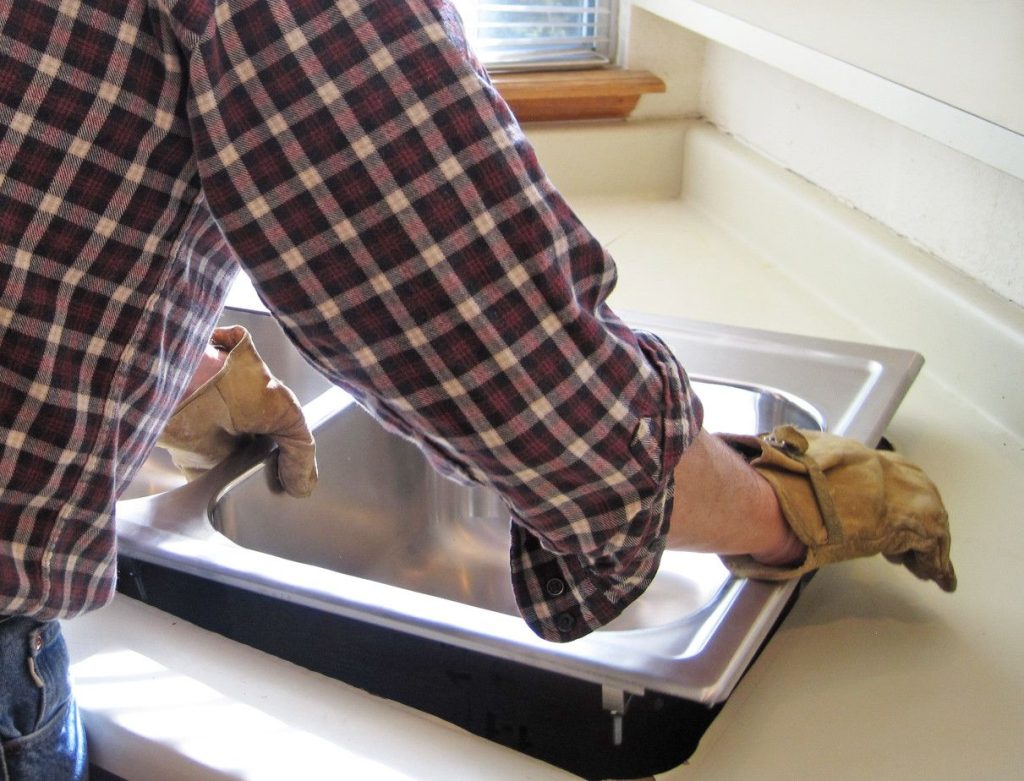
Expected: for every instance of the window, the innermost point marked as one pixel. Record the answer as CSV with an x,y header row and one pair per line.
x,y
540,34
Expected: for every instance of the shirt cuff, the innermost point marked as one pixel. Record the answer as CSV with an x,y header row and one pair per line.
x,y
563,596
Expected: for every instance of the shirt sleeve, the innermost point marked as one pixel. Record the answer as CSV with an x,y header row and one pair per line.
x,y
395,220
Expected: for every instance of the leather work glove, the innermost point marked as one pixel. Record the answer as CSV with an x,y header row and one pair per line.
x,y
241,399
844,500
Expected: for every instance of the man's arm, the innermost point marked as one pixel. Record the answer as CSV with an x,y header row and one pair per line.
x,y
724,506
395,220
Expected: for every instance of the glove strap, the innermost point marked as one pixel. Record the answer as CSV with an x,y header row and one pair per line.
x,y
794,447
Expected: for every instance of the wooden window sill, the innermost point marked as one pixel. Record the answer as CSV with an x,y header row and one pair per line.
x,y
565,95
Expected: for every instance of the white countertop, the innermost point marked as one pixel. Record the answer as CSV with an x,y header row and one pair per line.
x,y
873,675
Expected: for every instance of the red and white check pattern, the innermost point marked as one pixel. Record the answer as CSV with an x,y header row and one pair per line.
x,y
354,159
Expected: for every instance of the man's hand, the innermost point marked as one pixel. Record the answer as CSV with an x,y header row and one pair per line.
x,y
233,395
844,500
778,506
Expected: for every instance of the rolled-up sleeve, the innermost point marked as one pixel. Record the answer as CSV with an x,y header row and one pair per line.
x,y
395,220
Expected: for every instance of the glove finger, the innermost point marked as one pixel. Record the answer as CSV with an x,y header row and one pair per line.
x,y
296,465
286,425
929,564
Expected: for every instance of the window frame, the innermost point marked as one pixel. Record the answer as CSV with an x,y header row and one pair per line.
x,y
590,30
587,87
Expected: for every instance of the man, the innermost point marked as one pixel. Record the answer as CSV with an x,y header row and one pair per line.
x,y
354,160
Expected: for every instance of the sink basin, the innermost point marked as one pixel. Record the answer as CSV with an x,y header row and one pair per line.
x,y
397,579
381,512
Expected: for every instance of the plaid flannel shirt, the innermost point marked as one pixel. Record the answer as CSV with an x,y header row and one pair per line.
x,y
354,159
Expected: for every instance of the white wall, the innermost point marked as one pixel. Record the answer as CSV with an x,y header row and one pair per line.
x,y
966,53
965,212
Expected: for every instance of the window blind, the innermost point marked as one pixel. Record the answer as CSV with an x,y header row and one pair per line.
x,y
540,34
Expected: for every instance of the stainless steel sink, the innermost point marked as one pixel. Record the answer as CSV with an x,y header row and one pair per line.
x,y
387,542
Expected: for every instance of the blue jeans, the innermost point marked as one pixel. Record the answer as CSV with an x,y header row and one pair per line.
x,y
41,736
